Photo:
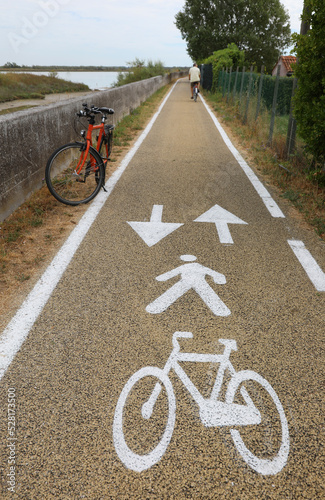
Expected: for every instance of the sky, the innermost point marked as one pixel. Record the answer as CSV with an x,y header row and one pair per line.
x,y
98,32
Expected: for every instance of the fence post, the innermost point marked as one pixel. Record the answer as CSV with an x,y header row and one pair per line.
x,y
248,94
292,124
259,93
224,83
242,84
223,78
275,97
235,85
220,79
229,82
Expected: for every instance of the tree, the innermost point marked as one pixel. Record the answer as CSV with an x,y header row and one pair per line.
x,y
259,28
231,56
11,65
309,100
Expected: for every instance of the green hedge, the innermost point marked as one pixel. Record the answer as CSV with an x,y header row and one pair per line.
x,y
284,92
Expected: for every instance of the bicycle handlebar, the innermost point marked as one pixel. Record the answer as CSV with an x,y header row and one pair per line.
x,y
94,110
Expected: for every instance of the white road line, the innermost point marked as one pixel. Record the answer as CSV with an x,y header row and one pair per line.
x,y
19,327
314,272
267,199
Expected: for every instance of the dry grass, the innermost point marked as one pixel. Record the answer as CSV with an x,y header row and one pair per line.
x,y
291,176
29,86
32,235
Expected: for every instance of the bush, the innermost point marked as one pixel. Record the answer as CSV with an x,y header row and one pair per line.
x,y
139,71
231,56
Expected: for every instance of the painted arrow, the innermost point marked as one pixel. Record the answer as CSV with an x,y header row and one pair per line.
x,y
155,230
221,218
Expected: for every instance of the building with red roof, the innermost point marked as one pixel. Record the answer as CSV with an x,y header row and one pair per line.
x,y
286,63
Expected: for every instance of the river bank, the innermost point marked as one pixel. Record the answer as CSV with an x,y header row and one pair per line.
x,y
95,80
19,104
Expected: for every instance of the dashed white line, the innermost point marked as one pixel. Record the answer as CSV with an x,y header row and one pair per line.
x,y
314,272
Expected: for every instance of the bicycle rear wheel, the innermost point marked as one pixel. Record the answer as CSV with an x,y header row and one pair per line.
x,y
109,135
67,182
141,439
106,144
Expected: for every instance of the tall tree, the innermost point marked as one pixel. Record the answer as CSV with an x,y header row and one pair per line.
x,y
309,101
259,27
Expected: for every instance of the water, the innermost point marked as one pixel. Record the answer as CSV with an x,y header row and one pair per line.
x,y
95,80
98,80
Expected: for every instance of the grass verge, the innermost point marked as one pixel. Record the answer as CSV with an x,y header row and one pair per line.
x,y
293,176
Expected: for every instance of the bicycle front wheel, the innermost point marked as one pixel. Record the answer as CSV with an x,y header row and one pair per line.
x,y
71,178
267,443
141,438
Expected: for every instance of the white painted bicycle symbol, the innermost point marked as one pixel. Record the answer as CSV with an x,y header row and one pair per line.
x,y
213,411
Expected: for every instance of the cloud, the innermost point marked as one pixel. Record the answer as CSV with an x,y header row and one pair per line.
x,y
294,8
100,33
109,32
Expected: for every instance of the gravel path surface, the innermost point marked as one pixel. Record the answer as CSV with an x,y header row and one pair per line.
x,y
222,272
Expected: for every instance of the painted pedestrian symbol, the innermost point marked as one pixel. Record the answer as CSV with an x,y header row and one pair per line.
x,y
192,276
234,412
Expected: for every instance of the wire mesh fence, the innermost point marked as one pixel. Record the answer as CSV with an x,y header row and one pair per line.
x,y
254,94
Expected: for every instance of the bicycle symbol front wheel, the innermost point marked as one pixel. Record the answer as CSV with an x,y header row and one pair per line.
x,y
269,440
157,428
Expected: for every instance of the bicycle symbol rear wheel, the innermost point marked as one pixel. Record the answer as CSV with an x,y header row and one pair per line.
x,y
135,460
64,180
273,411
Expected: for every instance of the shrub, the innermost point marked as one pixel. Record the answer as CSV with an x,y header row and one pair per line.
x,y
139,71
231,56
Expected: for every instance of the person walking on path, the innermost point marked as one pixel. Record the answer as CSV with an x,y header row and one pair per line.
x,y
192,276
194,76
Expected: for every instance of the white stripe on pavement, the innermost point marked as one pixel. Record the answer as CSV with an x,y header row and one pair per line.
x,y
267,199
19,327
314,272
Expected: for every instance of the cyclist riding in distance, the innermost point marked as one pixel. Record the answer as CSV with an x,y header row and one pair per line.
x,y
194,77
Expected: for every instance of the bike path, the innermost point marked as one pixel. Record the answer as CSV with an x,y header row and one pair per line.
x,y
109,317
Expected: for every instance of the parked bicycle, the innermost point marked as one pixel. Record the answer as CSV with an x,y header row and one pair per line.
x,y
139,400
75,172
